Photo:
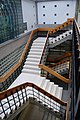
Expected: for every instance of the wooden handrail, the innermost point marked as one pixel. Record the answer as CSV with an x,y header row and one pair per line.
x,y
22,86
21,58
59,27
58,63
52,72
65,55
44,48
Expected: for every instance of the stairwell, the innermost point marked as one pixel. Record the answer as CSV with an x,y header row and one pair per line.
x,y
31,74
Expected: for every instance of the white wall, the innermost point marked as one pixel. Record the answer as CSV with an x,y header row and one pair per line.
x,y
61,10
29,13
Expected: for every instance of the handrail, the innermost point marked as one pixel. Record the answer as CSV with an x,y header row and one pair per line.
x,y
24,85
58,63
59,27
53,30
65,55
20,60
49,70
44,48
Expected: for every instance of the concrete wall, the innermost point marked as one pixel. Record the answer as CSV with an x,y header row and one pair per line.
x,y
55,12
29,13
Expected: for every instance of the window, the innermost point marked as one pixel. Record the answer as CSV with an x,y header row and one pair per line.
x,y
43,6
54,22
43,14
55,14
67,14
67,5
55,5
43,22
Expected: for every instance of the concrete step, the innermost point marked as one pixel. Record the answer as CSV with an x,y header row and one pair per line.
x,y
37,47
59,96
34,56
31,67
53,89
45,84
34,60
31,71
38,44
31,63
36,50
39,41
35,53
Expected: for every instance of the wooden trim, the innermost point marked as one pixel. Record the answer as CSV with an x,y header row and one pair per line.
x,y
68,22
45,29
52,72
22,86
44,48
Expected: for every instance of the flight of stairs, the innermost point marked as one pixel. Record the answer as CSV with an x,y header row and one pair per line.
x,y
62,68
60,39
33,59
31,73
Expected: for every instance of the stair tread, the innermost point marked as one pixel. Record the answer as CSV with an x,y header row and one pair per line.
x,y
31,59
32,67
34,56
26,69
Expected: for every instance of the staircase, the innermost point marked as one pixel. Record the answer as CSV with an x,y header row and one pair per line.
x,y
31,74
60,39
62,68
31,71
30,84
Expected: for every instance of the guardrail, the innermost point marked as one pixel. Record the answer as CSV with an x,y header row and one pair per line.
x,y
15,97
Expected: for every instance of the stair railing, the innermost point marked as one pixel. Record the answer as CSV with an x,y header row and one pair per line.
x,y
65,24
10,76
59,27
44,55
12,99
52,72
45,51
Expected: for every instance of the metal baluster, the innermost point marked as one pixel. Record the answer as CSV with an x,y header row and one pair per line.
x,y
3,110
8,103
14,100
25,93
39,94
33,90
22,95
44,99
18,98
